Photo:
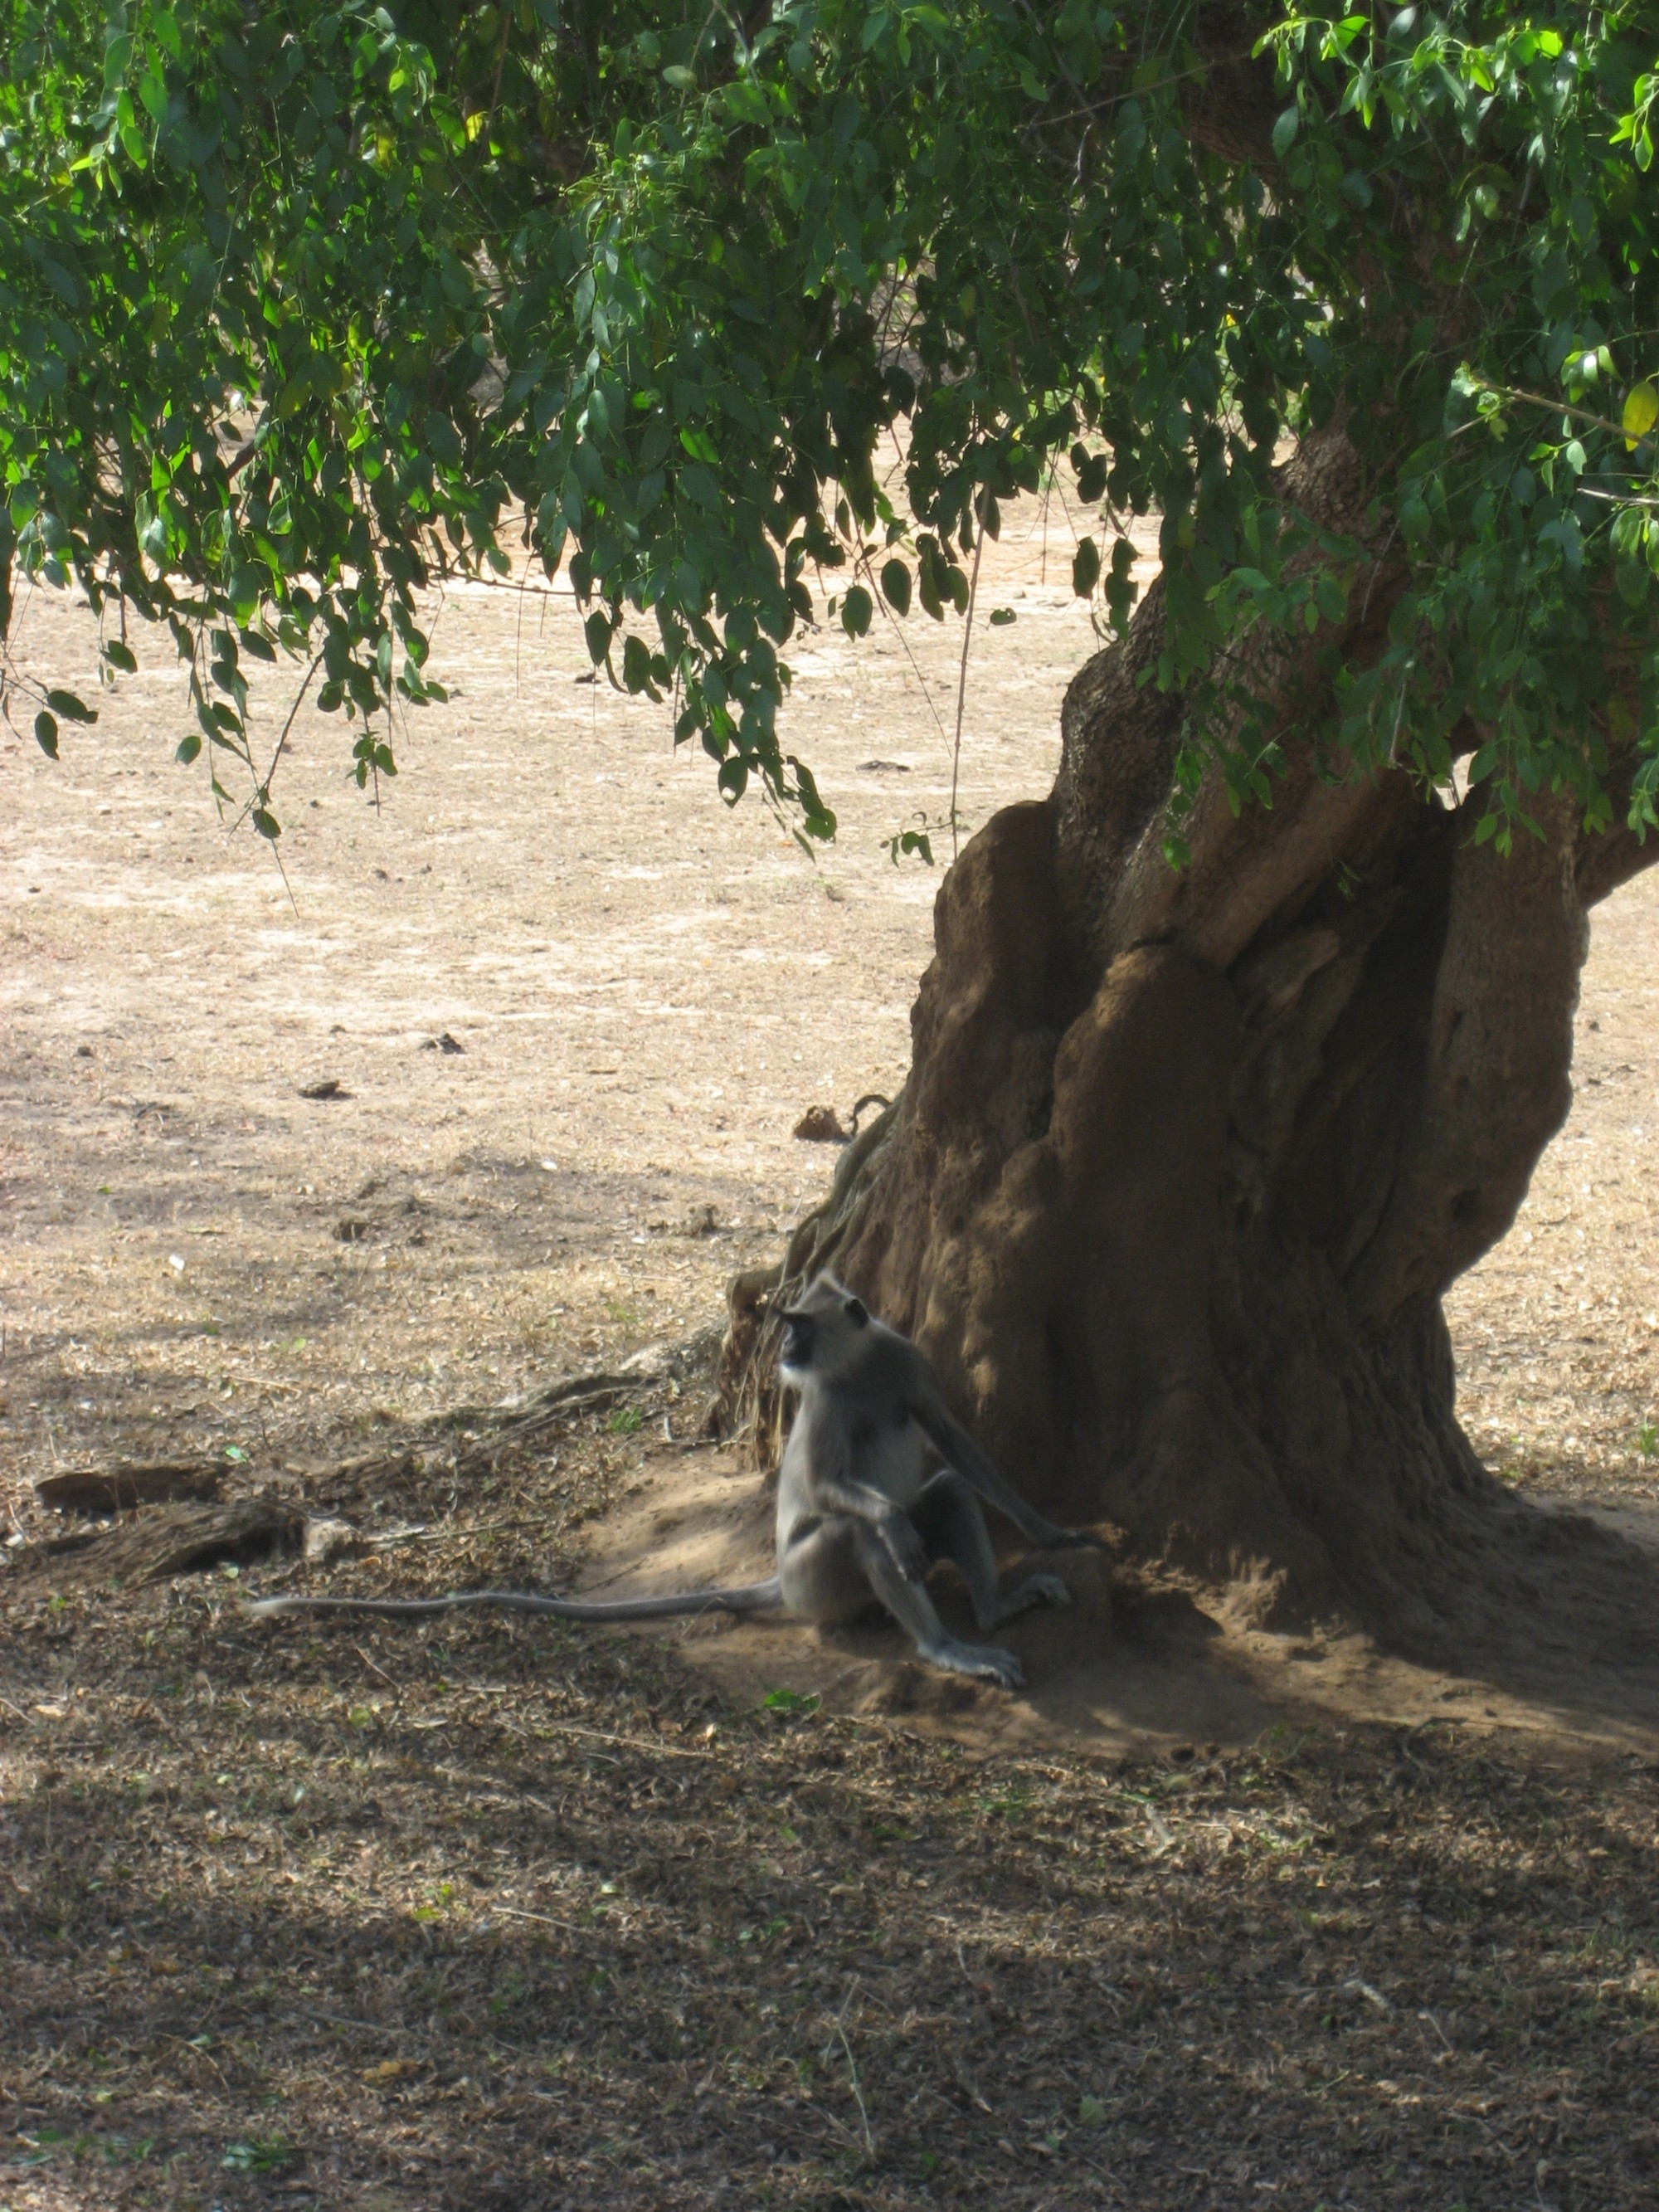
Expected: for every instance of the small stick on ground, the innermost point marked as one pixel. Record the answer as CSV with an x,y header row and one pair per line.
x,y
858,2093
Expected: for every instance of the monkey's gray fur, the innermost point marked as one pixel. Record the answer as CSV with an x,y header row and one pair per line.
x,y
858,1519
857,1515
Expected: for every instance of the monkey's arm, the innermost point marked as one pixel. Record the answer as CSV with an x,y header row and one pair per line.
x,y
744,1597
897,1530
958,1450
830,1487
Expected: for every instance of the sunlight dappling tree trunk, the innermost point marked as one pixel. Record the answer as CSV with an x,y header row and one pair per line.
x,y
1186,1161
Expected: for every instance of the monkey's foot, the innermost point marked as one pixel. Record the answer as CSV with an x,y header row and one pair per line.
x,y
1035,1589
985,1661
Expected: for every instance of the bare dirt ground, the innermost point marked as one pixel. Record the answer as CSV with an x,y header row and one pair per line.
x,y
503,1914
647,989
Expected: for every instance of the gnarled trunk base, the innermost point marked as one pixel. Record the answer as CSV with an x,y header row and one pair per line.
x,y
1186,1161
1176,1243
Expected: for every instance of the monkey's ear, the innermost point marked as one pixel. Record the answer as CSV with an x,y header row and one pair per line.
x,y
857,1312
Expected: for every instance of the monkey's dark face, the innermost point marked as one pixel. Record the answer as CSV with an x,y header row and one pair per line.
x,y
823,1333
799,1332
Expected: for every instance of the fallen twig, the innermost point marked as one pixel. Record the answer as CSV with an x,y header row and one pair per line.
x,y
858,2094
518,1912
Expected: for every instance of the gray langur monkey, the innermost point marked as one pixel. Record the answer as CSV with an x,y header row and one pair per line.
x,y
857,1515
858,1519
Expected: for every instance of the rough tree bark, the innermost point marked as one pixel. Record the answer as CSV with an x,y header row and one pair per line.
x,y
1187,1162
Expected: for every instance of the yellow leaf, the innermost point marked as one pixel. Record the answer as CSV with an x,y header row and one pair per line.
x,y
1641,413
389,2070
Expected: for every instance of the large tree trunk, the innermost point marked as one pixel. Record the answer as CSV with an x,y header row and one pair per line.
x,y
1186,1161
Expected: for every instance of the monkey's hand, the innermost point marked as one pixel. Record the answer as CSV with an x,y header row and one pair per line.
x,y
904,1546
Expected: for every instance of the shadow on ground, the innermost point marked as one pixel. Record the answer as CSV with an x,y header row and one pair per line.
x,y
506,1916
1555,1634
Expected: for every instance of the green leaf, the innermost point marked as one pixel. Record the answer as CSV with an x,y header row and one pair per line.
x,y
153,91
187,748
1632,581
928,572
629,297
46,733
119,656
1641,413
1001,616
797,1705
266,823
1091,475
856,609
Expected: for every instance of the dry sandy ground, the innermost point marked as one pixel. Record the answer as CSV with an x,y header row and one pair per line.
x,y
648,988
495,1916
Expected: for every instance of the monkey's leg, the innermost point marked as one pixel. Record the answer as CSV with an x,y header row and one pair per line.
x,y
950,1521
911,1607
822,1574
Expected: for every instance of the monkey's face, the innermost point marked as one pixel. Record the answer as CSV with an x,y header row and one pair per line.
x,y
798,1331
823,1332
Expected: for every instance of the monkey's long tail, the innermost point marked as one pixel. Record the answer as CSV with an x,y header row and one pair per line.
x,y
745,1597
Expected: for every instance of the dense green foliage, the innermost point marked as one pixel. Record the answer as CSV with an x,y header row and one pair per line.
x,y
302,306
